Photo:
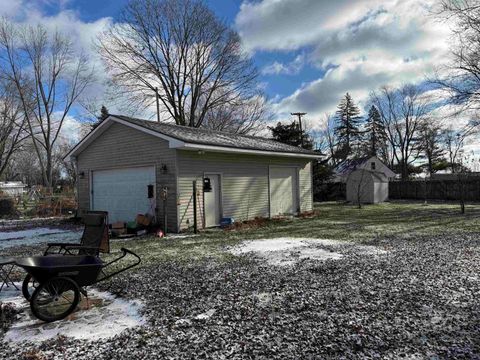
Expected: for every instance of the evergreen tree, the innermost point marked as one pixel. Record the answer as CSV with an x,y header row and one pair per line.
x,y
103,115
375,134
292,135
347,131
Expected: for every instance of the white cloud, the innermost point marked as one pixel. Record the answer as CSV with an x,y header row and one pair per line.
x,y
287,24
10,7
71,131
291,68
365,44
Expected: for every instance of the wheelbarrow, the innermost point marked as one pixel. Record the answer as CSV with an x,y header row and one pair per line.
x,y
61,280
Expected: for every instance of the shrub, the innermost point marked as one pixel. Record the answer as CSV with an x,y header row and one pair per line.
x,y
7,315
7,207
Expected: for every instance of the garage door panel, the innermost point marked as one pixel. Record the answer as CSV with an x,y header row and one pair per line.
x,y
123,192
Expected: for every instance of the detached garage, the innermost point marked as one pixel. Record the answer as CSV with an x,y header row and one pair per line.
x,y
130,166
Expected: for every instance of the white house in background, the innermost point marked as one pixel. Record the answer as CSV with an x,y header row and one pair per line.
x,y
373,164
12,188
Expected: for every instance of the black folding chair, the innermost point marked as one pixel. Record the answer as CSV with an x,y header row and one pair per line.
x,y
94,239
6,268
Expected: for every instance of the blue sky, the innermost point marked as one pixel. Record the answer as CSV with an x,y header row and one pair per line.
x,y
276,85
309,52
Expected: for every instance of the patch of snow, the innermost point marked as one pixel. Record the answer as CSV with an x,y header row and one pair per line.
x,y
263,298
106,318
278,244
12,235
205,315
37,236
183,322
17,222
181,236
287,251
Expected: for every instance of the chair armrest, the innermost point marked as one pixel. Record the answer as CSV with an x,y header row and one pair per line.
x,y
80,247
60,246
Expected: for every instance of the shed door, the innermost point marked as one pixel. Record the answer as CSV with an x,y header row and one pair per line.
x,y
283,190
123,192
212,202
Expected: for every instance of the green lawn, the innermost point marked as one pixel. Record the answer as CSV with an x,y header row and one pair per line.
x,y
331,221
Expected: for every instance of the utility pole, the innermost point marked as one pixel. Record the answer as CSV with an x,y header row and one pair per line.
x,y
158,104
300,114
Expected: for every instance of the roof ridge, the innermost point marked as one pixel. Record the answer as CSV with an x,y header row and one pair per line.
x,y
215,137
195,128
210,131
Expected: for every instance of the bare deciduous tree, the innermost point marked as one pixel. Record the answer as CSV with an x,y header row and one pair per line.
x,y
454,141
331,139
12,124
241,117
403,111
463,72
431,141
182,49
49,79
361,187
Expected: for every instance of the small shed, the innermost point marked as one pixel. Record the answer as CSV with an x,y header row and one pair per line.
x,y
367,186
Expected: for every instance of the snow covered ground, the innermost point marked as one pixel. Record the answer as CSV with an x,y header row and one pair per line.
x,y
103,316
288,251
37,236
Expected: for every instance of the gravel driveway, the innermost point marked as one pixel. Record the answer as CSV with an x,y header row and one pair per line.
x,y
421,299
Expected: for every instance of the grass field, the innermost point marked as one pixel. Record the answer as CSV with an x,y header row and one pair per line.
x,y
332,220
416,297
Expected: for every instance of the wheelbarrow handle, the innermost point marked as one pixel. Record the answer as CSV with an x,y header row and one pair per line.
x,y
126,251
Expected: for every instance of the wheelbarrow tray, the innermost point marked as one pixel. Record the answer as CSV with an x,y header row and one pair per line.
x,y
83,269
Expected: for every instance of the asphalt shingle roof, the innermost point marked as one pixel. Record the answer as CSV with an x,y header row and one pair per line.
x,y
216,138
347,166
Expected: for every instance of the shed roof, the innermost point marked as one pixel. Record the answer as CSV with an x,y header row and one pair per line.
x,y
349,165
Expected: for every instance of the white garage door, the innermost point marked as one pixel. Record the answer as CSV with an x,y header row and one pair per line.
x,y
123,192
283,190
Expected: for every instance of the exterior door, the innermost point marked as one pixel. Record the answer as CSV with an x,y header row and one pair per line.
x,y
283,191
212,202
123,192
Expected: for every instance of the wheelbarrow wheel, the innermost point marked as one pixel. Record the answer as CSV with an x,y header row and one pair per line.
x,y
55,299
28,286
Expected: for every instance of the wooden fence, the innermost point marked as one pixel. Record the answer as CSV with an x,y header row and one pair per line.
x,y
41,206
435,189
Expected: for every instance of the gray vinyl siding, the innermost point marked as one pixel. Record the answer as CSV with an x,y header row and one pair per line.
x,y
244,184
119,147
